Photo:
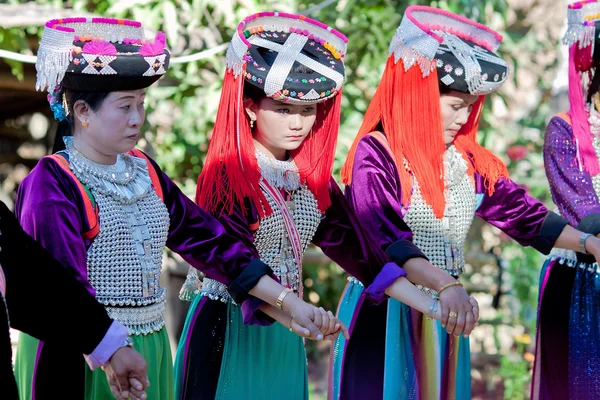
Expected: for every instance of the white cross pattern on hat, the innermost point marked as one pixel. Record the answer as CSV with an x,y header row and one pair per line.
x,y
289,53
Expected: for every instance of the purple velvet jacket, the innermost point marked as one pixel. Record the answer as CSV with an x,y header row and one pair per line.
x,y
50,208
376,192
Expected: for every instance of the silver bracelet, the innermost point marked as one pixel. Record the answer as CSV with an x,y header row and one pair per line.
x,y
432,308
127,342
582,240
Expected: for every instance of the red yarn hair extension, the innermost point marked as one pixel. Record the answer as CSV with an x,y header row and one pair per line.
x,y
231,171
407,104
483,161
408,107
316,154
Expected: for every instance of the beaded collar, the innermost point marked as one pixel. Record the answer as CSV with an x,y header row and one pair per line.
x,y
281,174
127,180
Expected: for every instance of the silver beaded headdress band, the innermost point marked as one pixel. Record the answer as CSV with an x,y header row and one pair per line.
x,y
461,50
296,40
581,26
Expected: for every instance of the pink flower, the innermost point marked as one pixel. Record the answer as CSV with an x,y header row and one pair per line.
x,y
155,48
101,48
517,152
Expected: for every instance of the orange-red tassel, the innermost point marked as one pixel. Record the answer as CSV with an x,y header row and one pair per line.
x,y
316,155
408,107
483,161
231,171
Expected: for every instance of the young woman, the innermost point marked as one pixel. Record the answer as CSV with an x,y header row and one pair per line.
x,y
267,177
106,211
416,162
567,362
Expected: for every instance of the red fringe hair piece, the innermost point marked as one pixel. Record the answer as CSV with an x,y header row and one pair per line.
x,y
231,173
407,106
483,161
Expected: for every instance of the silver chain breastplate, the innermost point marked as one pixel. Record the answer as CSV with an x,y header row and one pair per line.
x,y
124,261
443,240
271,238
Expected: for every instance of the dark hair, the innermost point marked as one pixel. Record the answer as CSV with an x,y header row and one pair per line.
x,y
65,127
256,94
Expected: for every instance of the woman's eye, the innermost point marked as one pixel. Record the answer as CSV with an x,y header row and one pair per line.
x,y
125,107
309,109
283,110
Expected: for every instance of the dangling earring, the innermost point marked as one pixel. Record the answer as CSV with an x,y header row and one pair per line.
x,y
251,123
310,134
85,124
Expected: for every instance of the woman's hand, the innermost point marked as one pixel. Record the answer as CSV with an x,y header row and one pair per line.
x,y
312,322
457,314
333,330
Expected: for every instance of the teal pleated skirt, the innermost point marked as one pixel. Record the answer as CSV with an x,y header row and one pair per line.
x,y
418,360
255,362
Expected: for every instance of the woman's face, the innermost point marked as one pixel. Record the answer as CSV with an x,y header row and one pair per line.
x,y
281,127
114,128
456,108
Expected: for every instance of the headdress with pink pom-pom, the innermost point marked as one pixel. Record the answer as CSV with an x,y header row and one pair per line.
x,y
97,54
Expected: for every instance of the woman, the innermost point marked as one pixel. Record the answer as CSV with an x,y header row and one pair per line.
x,y
566,362
267,177
415,161
106,211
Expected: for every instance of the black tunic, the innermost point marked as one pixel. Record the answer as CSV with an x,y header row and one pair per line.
x,y
44,300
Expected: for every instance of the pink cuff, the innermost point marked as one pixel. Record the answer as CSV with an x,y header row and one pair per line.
x,y
112,341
